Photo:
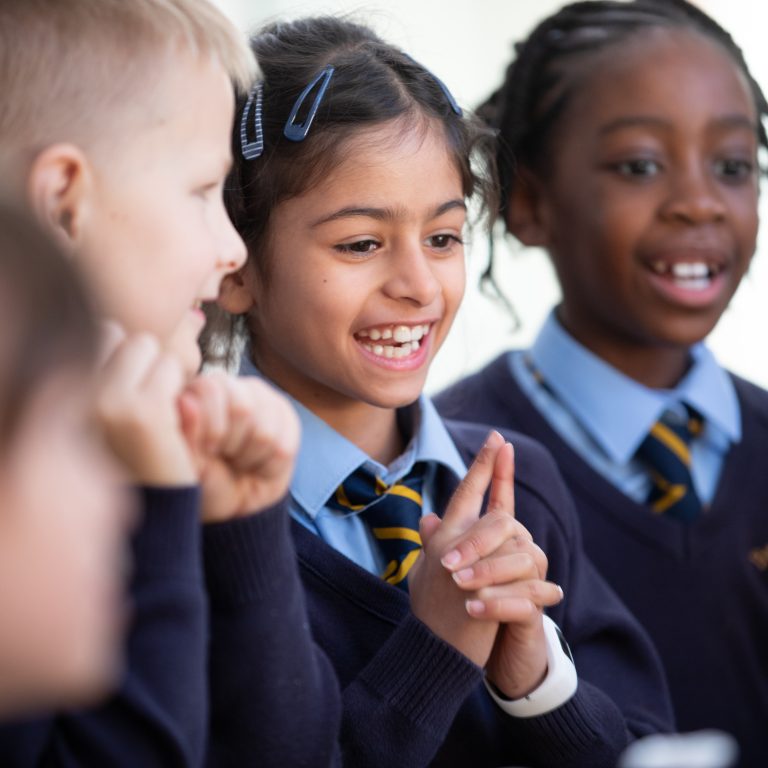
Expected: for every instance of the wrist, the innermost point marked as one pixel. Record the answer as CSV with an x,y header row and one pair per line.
x,y
555,689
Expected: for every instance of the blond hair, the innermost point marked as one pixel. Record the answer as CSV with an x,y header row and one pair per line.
x,y
68,67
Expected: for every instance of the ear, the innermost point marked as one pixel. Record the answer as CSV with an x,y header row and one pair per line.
x,y
236,292
526,216
58,185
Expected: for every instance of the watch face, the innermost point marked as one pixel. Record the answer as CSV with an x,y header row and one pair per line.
x,y
563,643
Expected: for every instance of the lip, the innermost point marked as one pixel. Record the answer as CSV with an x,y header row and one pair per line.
x,y
198,314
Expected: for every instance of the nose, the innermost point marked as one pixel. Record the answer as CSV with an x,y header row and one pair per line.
x,y
412,276
232,251
694,197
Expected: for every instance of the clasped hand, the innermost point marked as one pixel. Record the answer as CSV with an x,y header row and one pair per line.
x,y
480,582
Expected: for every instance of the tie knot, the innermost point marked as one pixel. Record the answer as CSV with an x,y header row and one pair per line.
x,y
362,491
673,432
392,512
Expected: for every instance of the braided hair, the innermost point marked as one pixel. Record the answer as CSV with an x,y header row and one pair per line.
x,y
539,83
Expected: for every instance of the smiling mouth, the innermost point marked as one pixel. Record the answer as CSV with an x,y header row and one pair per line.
x,y
393,341
690,275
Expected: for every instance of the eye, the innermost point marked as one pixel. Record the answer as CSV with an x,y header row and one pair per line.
x,y
358,247
734,169
444,241
639,167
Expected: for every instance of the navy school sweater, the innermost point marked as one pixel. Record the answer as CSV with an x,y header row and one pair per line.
x,y
159,716
258,642
700,590
411,699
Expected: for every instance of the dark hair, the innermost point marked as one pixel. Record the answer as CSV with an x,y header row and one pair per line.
x,y
46,319
373,82
539,85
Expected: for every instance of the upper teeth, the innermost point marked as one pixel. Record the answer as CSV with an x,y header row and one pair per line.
x,y
684,271
697,269
398,333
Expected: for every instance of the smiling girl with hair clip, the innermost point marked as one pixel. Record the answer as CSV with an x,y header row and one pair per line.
x,y
353,170
628,148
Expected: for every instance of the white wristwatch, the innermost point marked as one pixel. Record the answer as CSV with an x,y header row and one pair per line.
x,y
557,687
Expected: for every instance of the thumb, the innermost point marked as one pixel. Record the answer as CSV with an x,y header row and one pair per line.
x,y
190,416
464,507
427,527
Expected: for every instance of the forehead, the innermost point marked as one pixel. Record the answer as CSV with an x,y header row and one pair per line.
x,y
670,73
185,111
393,159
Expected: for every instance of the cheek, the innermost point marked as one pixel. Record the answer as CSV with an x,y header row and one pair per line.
x,y
306,302
452,276
748,225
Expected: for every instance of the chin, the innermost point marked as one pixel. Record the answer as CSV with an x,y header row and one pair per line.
x,y
393,399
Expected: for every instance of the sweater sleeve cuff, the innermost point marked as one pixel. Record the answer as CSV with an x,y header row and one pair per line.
x,y
168,538
422,676
579,727
248,558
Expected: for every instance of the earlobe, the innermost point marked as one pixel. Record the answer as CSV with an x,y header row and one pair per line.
x,y
57,187
235,294
525,215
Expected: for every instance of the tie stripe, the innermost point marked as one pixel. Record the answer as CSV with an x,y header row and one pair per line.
x,y
667,494
397,533
666,436
406,493
344,502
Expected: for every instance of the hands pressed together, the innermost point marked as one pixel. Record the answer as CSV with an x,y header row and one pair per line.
x,y
237,437
480,583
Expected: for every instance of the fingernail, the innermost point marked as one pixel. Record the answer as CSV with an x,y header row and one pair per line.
x,y
475,607
465,574
451,559
560,590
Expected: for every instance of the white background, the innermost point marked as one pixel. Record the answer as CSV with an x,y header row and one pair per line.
x,y
467,44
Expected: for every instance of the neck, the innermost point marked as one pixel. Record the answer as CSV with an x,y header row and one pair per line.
x,y
658,366
372,429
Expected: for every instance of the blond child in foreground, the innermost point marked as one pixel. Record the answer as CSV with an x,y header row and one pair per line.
x,y
115,130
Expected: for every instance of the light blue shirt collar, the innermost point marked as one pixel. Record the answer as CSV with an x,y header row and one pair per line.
x,y
596,393
326,458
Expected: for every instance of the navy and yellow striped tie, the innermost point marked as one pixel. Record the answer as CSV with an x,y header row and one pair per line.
x,y
392,513
666,451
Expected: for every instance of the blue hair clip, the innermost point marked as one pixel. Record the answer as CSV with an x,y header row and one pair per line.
x,y
448,95
252,149
298,131
443,87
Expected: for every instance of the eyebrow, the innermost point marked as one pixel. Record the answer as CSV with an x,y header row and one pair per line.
x,y
635,121
384,214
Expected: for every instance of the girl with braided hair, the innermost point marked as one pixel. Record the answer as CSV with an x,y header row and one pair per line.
x,y
629,135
